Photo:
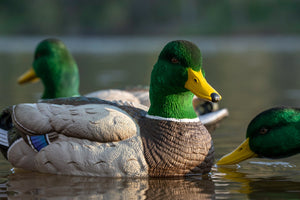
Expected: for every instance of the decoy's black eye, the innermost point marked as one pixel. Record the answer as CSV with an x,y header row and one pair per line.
x,y
37,55
263,130
174,60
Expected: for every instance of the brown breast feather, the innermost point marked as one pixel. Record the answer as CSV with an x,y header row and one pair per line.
x,y
176,148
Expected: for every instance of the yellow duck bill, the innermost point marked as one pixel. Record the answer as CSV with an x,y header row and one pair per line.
x,y
198,85
241,153
29,76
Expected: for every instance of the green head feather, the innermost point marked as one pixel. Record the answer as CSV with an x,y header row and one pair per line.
x,y
168,95
57,69
275,133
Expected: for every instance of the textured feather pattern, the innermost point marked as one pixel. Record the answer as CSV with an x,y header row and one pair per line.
x,y
157,148
83,149
111,95
176,148
102,123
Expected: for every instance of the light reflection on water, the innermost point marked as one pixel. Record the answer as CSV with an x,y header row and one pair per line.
x,y
273,164
27,185
249,76
222,183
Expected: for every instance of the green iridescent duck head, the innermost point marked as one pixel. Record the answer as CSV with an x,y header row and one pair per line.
x,y
57,69
274,133
176,78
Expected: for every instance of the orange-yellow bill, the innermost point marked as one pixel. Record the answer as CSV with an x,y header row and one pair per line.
x,y
198,85
29,76
240,154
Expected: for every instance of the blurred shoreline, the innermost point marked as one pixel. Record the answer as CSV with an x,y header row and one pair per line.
x,y
144,44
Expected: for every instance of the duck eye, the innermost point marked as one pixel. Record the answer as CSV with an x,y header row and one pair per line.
x,y
263,130
37,55
174,60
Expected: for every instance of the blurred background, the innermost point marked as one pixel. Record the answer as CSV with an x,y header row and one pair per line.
x,y
250,48
149,17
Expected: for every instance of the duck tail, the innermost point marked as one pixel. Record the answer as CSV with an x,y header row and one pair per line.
x,y
3,137
5,126
3,142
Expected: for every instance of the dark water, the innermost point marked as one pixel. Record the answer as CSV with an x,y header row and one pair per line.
x,y
252,74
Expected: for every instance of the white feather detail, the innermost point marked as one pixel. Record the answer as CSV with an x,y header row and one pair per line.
x,y
3,137
173,119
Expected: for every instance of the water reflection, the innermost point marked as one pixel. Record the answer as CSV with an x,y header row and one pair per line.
x,y
39,186
273,187
223,183
181,188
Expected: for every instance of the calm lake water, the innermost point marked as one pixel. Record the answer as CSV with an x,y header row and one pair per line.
x,y
252,74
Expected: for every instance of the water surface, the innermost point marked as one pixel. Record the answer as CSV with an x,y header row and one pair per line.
x,y
252,74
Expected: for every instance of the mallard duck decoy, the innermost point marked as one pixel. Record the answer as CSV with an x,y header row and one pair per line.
x,y
56,67
58,71
274,133
93,137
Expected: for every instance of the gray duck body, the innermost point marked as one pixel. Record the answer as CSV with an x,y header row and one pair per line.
x,y
169,148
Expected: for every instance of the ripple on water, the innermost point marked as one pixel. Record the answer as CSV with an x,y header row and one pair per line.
x,y
273,164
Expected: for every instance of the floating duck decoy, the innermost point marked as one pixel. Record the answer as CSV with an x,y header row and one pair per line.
x,y
274,133
92,137
55,66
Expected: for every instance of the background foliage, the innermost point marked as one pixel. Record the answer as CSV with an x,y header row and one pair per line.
x,y
149,17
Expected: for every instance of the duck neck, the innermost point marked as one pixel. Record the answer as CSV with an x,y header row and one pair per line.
x,y
52,93
178,106
66,87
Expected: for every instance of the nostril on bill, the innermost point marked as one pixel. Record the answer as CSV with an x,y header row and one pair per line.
x,y
215,97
